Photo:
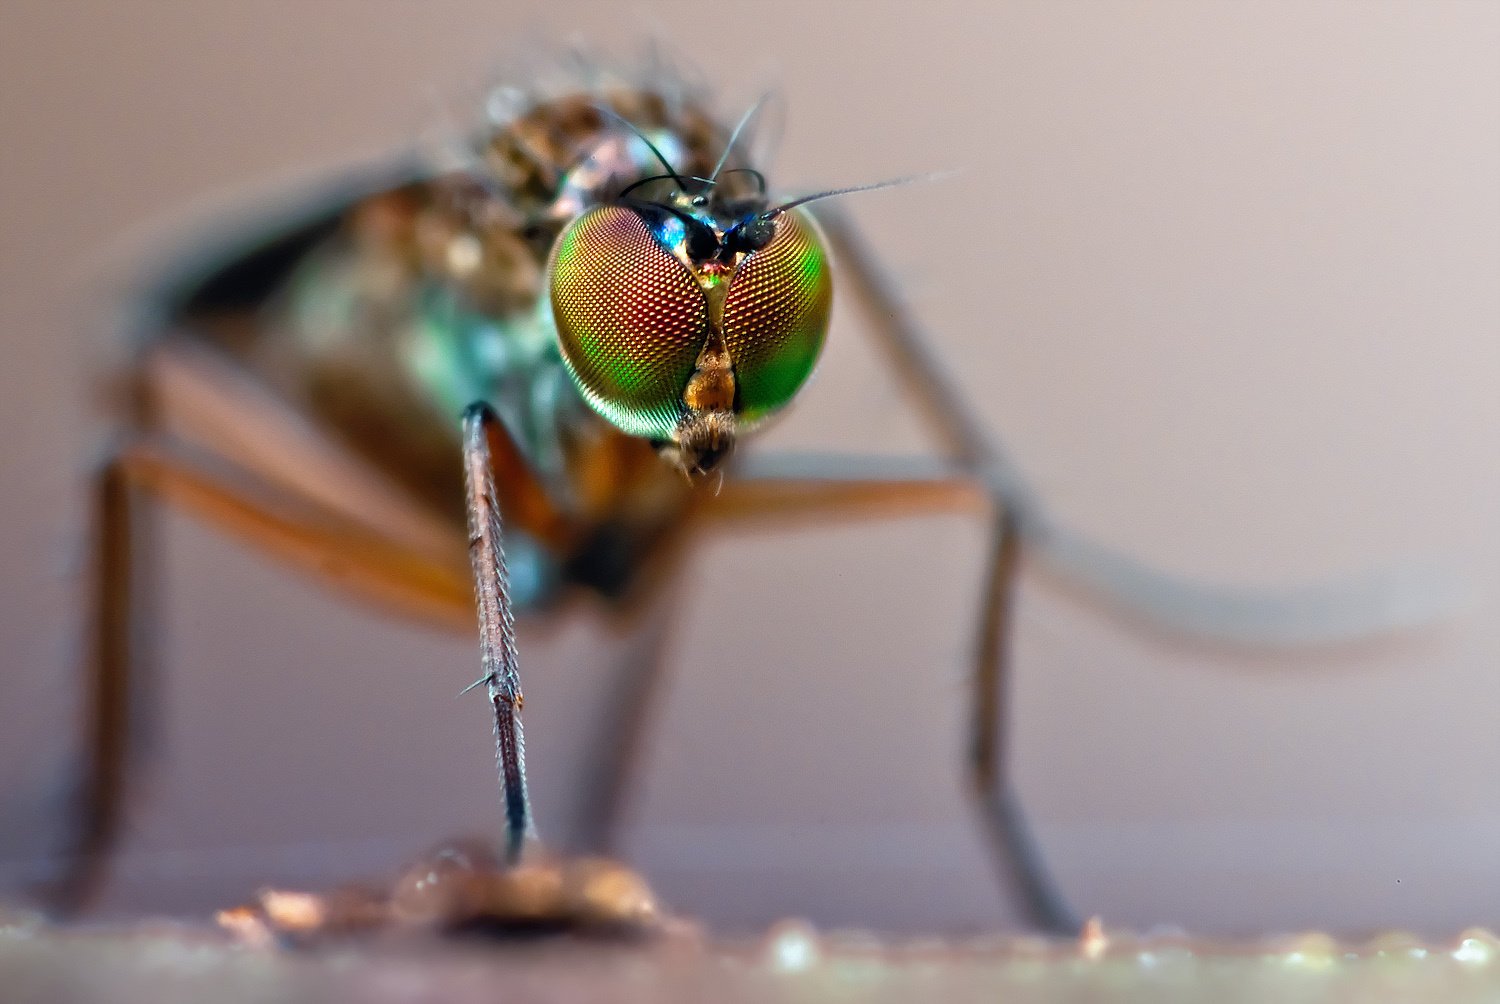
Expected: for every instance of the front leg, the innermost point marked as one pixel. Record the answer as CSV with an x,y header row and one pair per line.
x,y
500,672
462,887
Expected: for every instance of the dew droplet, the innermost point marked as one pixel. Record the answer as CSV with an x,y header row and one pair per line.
x,y
1394,945
792,946
1313,950
1475,947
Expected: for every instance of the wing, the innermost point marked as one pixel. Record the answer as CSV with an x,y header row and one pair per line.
x,y
242,258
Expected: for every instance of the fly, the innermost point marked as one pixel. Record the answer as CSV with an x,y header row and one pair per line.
x,y
609,296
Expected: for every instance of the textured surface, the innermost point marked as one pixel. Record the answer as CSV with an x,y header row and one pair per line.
x,y
165,964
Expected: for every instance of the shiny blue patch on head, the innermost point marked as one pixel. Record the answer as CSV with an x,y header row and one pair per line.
x,y
668,229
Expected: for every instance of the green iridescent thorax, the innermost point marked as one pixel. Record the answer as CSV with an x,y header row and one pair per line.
x,y
432,295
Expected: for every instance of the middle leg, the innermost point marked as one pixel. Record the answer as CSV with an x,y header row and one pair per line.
x,y
781,489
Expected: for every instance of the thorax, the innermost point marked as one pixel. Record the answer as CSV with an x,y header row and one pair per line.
x,y
401,307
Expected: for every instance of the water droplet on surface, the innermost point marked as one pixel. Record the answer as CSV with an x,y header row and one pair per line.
x,y
1476,947
1312,950
792,946
1394,945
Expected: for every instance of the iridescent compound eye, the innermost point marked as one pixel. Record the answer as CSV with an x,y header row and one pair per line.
x,y
776,316
631,319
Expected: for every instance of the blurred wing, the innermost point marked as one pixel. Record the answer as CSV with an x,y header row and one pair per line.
x,y
245,254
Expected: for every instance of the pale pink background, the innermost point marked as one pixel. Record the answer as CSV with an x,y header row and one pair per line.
x,y
1225,276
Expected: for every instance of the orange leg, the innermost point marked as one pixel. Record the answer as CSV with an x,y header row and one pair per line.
x,y
327,544
775,490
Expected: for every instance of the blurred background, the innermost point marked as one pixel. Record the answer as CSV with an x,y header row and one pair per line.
x,y
1225,278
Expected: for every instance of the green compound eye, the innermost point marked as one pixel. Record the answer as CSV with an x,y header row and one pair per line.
x,y
776,316
631,319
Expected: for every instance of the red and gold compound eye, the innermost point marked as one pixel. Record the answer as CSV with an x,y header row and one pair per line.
x,y
631,319
776,316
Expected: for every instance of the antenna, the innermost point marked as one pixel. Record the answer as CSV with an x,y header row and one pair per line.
x,y
777,210
735,135
671,171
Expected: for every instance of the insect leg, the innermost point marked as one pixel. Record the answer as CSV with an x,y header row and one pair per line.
x,y
1325,613
781,488
906,345
641,620
636,682
1016,853
500,673
96,798
428,587
1322,614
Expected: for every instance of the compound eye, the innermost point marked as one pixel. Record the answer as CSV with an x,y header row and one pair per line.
x,y
776,315
631,319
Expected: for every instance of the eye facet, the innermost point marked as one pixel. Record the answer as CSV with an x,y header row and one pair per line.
x,y
631,319
776,316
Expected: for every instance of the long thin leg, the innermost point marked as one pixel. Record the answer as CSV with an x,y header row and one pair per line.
x,y
768,491
1018,859
897,332
430,588
500,672
619,744
97,797
780,488
1326,614
641,619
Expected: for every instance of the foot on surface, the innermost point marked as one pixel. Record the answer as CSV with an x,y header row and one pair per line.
x,y
462,888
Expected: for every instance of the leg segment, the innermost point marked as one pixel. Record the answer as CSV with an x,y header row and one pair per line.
x,y
636,685
1016,515
1327,613
1019,861
783,488
765,491
497,632
1331,613
96,798
429,587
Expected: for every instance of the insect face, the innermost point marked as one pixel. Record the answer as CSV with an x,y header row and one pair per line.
x,y
685,325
